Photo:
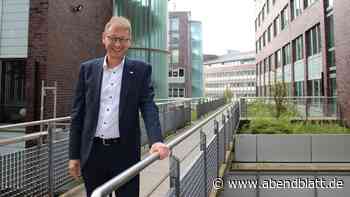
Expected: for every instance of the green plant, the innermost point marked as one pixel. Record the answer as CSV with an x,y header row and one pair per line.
x,y
228,95
279,93
193,115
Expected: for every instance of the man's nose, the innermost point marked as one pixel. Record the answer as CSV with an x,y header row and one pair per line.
x,y
117,43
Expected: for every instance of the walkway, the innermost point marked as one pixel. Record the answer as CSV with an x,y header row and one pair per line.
x,y
154,181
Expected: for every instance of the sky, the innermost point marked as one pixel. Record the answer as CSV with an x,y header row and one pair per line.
x,y
227,24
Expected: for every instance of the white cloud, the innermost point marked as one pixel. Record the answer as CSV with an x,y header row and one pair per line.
x,y
227,24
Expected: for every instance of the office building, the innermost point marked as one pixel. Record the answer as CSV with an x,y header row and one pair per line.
x,y
234,71
295,45
46,40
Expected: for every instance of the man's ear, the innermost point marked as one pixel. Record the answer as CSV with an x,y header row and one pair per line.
x,y
103,37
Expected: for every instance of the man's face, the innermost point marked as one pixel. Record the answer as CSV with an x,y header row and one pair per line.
x,y
116,41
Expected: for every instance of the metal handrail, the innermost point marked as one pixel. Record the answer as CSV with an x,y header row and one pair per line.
x,y
22,138
48,121
33,123
291,97
131,172
61,119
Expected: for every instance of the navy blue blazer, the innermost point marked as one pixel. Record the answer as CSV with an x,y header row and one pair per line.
x,y
136,94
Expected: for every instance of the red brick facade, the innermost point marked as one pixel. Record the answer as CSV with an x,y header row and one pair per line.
x,y
342,47
59,40
184,50
311,16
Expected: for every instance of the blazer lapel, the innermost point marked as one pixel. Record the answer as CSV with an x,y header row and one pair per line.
x,y
97,74
124,87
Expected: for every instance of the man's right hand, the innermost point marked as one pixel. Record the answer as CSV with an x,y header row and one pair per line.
x,y
74,168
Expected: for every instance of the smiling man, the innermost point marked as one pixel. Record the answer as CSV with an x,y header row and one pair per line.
x,y
105,131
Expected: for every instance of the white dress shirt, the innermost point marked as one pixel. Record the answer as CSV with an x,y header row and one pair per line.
x,y
108,118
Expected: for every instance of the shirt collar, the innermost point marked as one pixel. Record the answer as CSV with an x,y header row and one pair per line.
x,y
121,65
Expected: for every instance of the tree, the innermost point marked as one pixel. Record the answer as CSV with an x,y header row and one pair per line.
x,y
228,94
279,93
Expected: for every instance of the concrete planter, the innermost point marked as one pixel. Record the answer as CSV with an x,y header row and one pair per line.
x,y
292,148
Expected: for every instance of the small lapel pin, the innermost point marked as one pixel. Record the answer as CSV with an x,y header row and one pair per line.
x,y
131,72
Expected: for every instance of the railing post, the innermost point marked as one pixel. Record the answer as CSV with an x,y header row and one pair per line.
x,y
229,136
203,146
50,163
216,132
224,126
175,175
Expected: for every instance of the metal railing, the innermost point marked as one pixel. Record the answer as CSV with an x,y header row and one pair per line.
x,y
30,171
204,107
197,181
36,164
308,107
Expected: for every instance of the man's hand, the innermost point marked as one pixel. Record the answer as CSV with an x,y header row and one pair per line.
x,y
74,168
160,148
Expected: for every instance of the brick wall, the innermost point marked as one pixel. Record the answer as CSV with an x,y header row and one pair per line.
x,y
59,40
342,52
184,49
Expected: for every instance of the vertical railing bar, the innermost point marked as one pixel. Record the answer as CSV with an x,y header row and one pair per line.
x,y
175,175
216,131
50,167
224,130
203,146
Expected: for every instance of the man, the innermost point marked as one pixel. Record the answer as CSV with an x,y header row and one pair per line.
x,y
105,132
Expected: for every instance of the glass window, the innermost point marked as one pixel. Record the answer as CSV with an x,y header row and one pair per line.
x,y
12,82
181,72
175,56
181,92
331,58
175,92
307,3
299,88
276,26
267,6
260,44
170,92
330,31
314,87
284,18
296,8
175,73
174,39
298,47
329,4
286,54
269,33
278,58
264,39
263,13
313,41
256,25
333,86
174,24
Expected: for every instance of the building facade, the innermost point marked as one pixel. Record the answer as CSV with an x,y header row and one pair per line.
x,y
197,59
342,44
149,21
46,40
234,71
180,67
295,45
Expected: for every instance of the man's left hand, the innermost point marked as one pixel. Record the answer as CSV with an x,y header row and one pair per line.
x,y
160,148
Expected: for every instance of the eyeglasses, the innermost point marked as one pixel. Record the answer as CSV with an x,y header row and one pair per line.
x,y
118,39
